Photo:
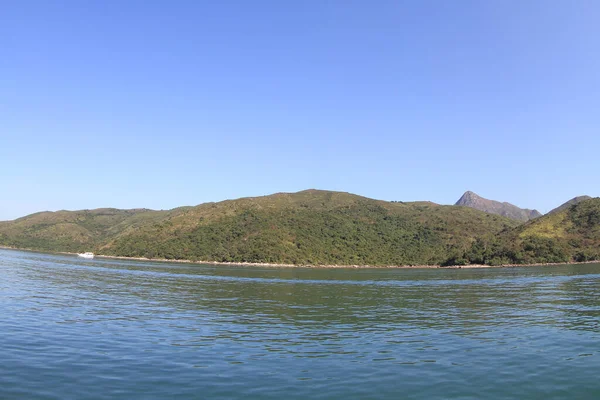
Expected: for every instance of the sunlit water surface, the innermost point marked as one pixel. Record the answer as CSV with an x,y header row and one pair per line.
x,y
110,329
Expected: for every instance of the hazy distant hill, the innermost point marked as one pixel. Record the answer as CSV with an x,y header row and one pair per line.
x,y
569,203
73,230
308,227
472,200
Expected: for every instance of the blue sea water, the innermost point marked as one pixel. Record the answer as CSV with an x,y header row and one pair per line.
x,y
111,329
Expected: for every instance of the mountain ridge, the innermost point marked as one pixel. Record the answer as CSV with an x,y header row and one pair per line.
x,y
572,234
311,227
316,227
573,201
473,200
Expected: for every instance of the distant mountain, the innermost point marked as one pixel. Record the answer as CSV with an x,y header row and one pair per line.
x,y
472,200
572,234
570,203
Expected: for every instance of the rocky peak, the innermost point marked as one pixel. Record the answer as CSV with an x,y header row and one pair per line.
x,y
473,200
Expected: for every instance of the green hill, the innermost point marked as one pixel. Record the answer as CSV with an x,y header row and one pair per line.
x,y
569,203
309,227
315,227
73,230
572,234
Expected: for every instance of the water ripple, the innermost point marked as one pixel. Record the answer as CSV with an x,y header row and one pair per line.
x,y
154,330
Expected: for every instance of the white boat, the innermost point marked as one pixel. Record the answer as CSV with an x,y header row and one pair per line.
x,y
86,255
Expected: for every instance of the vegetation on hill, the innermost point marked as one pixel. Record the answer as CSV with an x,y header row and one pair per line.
x,y
316,228
570,203
310,227
572,234
73,231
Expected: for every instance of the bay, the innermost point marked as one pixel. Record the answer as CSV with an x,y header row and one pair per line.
x,y
117,329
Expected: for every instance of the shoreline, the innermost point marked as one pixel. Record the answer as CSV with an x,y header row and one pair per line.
x,y
333,266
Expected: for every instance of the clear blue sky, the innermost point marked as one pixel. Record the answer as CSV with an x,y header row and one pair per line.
x,y
165,103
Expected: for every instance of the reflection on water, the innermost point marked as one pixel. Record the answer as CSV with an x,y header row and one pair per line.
x,y
142,329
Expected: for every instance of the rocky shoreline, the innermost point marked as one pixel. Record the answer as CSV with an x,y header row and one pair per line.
x,y
281,265
276,265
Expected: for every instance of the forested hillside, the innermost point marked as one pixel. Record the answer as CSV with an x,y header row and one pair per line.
x,y
572,234
310,227
315,227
